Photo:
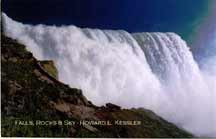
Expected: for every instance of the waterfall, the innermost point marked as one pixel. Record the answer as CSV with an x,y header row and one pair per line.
x,y
152,70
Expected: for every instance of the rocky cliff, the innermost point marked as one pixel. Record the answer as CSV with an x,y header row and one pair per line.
x,y
35,104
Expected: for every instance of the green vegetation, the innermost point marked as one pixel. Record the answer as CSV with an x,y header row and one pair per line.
x,y
50,68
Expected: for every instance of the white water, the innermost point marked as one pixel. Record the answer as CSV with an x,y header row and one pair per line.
x,y
152,70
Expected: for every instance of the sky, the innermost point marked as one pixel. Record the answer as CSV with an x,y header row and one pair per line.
x,y
204,44
180,16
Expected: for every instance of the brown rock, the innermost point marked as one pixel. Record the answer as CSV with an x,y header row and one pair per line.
x,y
112,107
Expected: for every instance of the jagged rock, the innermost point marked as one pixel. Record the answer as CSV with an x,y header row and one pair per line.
x,y
42,77
49,67
112,107
14,87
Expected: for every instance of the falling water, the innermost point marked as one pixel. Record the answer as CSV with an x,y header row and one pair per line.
x,y
152,70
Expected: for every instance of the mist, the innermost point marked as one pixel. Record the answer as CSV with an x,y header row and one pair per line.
x,y
152,70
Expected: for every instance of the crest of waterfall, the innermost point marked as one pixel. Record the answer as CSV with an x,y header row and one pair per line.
x,y
152,70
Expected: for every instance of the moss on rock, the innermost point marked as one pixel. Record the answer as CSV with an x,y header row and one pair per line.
x,y
49,67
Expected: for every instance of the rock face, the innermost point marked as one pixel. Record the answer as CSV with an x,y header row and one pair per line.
x,y
49,67
31,92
